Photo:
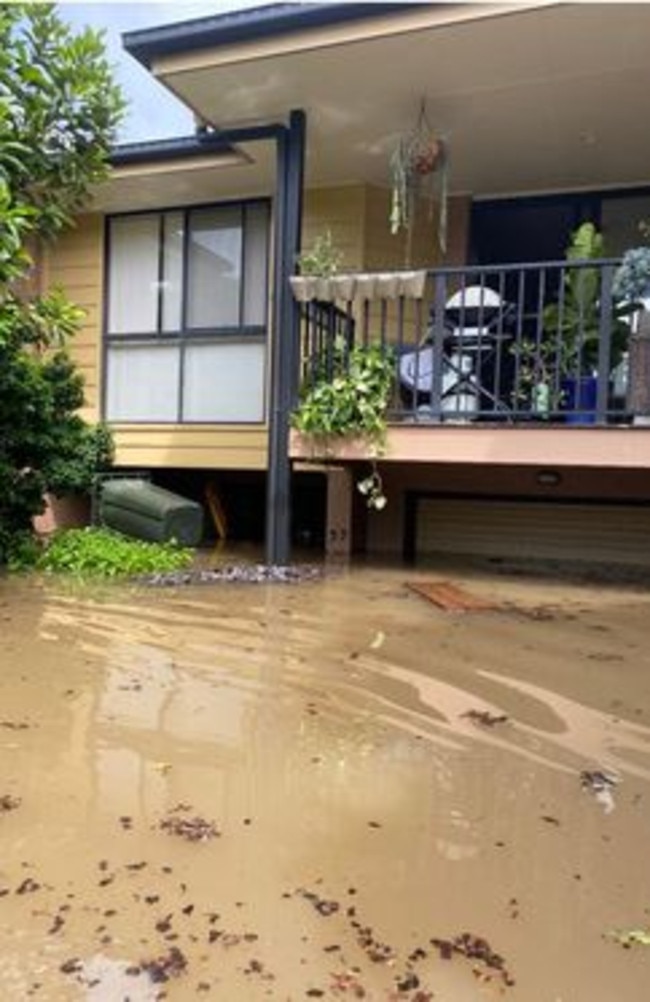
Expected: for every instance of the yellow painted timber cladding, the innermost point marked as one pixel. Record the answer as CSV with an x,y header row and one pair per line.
x,y
358,217
75,263
341,211
201,447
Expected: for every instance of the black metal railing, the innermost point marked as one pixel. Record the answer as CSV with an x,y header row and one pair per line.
x,y
524,343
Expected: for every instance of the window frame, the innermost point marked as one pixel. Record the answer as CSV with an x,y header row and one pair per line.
x,y
186,336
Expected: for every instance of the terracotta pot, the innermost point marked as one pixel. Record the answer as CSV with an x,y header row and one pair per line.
x,y
70,512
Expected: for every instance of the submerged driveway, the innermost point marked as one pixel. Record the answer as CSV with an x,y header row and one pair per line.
x,y
330,790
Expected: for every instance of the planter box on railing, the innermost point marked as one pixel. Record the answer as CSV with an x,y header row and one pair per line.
x,y
359,285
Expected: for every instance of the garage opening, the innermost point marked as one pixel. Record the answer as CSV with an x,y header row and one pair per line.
x,y
528,529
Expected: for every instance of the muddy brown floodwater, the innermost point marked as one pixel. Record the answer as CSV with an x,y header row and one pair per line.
x,y
331,790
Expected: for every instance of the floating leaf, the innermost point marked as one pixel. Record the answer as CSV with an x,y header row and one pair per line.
x,y
631,937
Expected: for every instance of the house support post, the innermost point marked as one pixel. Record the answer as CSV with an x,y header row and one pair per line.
x,y
290,162
638,396
338,534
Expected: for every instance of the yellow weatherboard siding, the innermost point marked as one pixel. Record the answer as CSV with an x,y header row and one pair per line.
x,y
75,263
341,211
208,446
358,217
384,250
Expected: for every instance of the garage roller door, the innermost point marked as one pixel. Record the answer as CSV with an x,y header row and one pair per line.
x,y
528,529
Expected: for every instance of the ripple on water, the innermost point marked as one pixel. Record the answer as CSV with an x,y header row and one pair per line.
x,y
334,736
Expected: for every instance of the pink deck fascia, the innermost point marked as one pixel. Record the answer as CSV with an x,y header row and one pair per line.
x,y
623,447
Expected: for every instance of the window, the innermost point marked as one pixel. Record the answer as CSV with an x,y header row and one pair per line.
x,y
186,314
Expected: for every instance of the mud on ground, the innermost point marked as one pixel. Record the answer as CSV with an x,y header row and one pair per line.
x,y
328,790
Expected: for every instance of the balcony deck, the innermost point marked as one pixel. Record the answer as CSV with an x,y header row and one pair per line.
x,y
554,446
524,364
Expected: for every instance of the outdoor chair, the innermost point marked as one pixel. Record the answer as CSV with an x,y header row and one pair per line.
x,y
474,324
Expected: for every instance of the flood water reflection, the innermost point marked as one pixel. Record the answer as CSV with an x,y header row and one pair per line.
x,y
374,773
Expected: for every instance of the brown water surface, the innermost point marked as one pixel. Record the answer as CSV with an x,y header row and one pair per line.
x,y
319,736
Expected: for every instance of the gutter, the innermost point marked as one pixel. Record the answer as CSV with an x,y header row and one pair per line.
x,y
252,24
162,150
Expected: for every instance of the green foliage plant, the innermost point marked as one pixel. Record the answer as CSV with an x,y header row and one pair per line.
x,y
572,325
632,278
99,552
322,260
350,401
59,109
570,338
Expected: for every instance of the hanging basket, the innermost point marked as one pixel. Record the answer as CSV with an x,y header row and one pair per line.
x,y
419,168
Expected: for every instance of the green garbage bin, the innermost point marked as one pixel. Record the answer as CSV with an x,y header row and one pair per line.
x,y
140,509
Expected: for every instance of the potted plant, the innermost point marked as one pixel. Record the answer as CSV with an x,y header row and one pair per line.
x,y
320,279
560,372
632,279
318,267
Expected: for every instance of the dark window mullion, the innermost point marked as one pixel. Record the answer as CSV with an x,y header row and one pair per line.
x,y
267,264
161,272
184,294
243,222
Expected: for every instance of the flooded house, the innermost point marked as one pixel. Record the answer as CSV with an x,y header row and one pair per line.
x,y
452,152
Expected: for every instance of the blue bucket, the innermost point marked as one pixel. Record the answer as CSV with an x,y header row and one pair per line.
x,y
579,395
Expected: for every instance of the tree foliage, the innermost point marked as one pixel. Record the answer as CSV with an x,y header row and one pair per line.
x,y
59,109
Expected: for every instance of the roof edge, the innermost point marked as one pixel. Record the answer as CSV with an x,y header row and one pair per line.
x,y
251,24
162,150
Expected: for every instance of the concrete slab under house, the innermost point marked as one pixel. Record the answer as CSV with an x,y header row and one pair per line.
x,y
502,441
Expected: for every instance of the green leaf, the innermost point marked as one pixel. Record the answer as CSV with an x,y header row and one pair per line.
x,y
630,937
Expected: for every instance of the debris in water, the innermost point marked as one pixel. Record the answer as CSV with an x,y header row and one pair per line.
x,y
408,982
195,829
450,597
347,982
484,718
601,784
168,965
57,923
72,966
476,949
540,613
322,906
236,573
630,937
28,886
9,803
378,641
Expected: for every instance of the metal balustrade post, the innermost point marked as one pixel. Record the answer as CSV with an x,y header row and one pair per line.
x,y
605,330
438,332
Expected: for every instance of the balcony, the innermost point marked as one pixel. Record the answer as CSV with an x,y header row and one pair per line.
x,y
529,345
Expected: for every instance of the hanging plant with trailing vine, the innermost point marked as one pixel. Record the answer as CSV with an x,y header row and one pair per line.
x,y
419,168
350,400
